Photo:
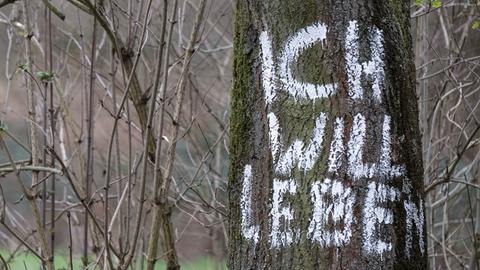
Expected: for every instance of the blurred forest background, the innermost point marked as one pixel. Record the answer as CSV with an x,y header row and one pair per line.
x,y
114,131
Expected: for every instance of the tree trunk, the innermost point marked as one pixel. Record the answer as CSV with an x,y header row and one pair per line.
x,y
326,168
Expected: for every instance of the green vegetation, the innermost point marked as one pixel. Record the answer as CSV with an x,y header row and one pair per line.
x,y
25,260
433,3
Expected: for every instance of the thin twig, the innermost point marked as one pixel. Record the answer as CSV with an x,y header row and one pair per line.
x,y
30,168
54,9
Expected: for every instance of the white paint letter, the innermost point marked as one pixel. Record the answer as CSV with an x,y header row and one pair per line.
x,y
281,235
375,216
373,68
294,46
340,210
268,71
321,211
414,216
356,168
249,231
305,156
274,134
386,168
336,148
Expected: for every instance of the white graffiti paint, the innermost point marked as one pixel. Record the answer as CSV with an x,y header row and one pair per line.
x,y
249,230
387,169
299,153
333,202
356,168
295,45
281,235
375,216
338,211
336,147
414,216
373,68
268,69
274,134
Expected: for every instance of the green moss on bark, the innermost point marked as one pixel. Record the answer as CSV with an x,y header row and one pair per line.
x,y
240,120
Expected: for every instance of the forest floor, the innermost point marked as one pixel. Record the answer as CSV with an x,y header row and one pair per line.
x,y
27,261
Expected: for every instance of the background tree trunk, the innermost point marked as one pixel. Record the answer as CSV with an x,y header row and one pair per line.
x,y
326,167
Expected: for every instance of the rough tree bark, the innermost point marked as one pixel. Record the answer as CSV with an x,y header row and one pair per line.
x,y
326,168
